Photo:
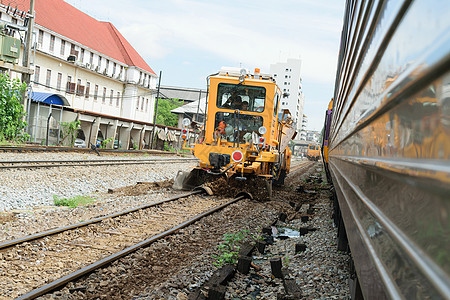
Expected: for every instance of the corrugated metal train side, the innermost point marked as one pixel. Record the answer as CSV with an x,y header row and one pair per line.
x,y
389,146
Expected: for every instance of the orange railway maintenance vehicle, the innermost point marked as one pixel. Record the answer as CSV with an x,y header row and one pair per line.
x,y
313,152
243,145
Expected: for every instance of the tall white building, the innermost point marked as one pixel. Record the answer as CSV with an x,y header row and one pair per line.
x,y
85,70
287,76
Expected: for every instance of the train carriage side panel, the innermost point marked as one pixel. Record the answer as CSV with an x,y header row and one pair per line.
x,y
389,146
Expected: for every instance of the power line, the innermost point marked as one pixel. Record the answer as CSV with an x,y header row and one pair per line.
x,y
93,95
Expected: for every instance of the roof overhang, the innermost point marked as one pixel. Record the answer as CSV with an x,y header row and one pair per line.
x,y
49,98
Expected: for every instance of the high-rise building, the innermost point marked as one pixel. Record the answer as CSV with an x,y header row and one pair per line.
x,y
287,76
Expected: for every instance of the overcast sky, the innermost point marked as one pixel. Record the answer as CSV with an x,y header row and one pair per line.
x,y
190,39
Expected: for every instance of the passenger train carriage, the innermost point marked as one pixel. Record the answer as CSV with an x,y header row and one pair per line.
x,y
387,147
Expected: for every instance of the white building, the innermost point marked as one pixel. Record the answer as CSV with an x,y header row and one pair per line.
x,y
303,131
287,76
85,69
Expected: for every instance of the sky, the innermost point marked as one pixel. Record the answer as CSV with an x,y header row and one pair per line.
x,y
190,39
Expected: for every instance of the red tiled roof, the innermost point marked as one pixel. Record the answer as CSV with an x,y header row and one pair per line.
x,y
70,22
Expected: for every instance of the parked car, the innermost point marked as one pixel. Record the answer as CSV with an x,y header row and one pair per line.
x,y
80,143
117,144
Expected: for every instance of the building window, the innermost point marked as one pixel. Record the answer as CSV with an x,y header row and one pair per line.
x,y
118,99
52,43
70,87
285,83
111,96
107,66
91,59
58,81
142,104
82,55
104,95
287,70
80,88
274,75
63,48
88,87
114,69
41,37
146,105
96,92
99,61
37,70
48,78
137,103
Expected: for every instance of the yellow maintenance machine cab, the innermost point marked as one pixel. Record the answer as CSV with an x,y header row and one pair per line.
x,y
244,139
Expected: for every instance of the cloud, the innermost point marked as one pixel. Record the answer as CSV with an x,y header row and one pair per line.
x,y
202,35
243,32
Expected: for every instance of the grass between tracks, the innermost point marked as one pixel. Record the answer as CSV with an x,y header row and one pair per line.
x,y
72,202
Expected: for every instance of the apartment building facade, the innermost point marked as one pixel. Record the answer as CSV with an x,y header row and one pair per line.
x,y
84,69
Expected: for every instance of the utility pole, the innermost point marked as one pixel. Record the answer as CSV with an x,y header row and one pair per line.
x,y
26,77
198,105
156,109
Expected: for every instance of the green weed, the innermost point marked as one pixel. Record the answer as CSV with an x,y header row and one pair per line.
x,y
228,250
72,202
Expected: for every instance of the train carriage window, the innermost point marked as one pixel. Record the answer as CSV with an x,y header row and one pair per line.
x,y
228,124
242,97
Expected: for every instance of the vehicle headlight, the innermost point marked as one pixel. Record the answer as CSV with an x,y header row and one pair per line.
x,y
262,130
186,122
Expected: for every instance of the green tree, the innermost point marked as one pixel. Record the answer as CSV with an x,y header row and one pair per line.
x,y
164,116
69,132
11,110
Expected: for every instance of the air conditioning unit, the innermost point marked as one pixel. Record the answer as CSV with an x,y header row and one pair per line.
x,y
71,58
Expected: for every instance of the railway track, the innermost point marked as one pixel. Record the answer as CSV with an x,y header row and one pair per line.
x,y
301,166
37,264
30,164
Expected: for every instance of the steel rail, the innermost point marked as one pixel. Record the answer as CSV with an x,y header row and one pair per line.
x,y
75,149
81,163
28,238
107,260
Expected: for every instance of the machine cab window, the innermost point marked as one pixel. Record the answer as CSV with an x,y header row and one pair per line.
x,y
245,98
230,125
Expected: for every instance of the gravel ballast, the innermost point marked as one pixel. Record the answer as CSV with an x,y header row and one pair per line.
x,y
24,189
175,267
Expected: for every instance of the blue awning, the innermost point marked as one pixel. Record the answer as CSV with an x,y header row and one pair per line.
x,y
49,98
